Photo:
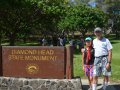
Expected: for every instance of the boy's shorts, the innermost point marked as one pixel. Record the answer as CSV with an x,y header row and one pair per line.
x,y
100,66
89,70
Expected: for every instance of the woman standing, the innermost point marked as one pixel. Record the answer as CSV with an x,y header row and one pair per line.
x,y
88,60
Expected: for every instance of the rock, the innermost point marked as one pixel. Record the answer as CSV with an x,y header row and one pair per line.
x,y
39,84
27,88
34,84
14,87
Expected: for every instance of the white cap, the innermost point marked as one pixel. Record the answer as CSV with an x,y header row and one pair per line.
x,y
98,29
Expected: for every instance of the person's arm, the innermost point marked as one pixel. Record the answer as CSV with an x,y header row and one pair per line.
x,y
109,59
109,47
109,56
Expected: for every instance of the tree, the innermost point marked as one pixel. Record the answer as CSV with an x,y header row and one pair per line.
x,y
53,11
17,17
20,18
114,12
82,18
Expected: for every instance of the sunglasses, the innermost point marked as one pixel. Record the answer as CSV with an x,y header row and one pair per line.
x,y
87,40
97,31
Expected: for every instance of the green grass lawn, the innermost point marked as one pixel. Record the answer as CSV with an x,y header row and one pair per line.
x,y
115,62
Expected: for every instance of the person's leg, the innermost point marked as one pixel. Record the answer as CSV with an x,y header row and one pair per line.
x,y
106,79
96,73
105,82
105,72
94,85
91,76
90,80
87,73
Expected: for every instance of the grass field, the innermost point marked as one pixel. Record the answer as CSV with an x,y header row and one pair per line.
x,y
115,62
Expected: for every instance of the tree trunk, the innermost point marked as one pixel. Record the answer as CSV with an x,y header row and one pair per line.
x,y
84,32
0,39
73,34
117,34
12,40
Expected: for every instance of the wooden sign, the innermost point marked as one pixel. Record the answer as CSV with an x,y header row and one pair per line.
x,y
0,60
33,61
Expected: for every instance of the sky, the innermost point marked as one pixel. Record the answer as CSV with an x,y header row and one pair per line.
x,y
91,3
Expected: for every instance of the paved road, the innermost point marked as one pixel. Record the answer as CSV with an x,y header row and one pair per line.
x,y
112,86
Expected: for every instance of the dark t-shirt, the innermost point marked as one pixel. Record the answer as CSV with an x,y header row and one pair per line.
x,y
91,61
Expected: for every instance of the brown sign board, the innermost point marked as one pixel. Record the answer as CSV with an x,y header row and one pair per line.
x,y
0,60
33,61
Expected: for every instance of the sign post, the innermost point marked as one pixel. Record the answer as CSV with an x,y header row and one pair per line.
x,y
37,62
69,62
0,60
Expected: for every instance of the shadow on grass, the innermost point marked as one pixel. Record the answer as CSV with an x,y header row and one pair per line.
x,y
114,42
77,51
28,44
112,37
